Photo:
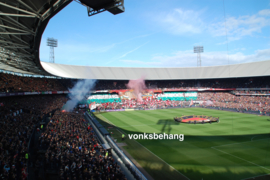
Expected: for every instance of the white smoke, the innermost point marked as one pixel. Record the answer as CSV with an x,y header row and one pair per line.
x,y
78,92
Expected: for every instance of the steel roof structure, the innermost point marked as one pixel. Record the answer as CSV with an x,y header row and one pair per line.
x,y
22,23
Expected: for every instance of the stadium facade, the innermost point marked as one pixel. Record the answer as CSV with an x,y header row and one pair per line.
x,y
253,69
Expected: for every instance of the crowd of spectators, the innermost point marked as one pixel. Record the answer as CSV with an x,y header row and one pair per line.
x,y
144,104
14,83
73,149
210,99
256,82
251,92
19,115
228,100
70,143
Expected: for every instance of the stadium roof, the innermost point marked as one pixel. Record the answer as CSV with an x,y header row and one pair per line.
x,y
22,23
252,69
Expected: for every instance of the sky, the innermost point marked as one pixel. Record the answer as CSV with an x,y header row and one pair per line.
x,y
156,33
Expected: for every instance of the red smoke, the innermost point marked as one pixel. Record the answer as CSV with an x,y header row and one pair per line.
x,y
138,86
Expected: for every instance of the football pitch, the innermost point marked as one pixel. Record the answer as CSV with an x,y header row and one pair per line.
x,y
238,147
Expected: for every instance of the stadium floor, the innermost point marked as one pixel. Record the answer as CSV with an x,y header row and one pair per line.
x,y
238,147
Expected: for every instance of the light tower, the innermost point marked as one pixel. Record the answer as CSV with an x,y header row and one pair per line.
x,y
52,43
198,50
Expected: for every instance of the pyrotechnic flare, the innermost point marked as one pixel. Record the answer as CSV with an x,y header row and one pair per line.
x,y
138,86
78,92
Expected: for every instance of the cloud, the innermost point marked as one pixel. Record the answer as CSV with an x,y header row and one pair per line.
x,y
69,52
239,27
72,51
141,62
124,55
265,12
108,47
180,21
105,48
186,22
189,59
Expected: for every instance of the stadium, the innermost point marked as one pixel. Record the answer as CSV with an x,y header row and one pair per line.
x,y
63,121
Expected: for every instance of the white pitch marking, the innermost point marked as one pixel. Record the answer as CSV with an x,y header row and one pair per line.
x,y
241,159
138,125
240,142
107,120
149,150
254,176
162,160
254,137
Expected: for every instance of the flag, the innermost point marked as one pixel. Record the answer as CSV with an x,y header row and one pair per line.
x,y
191,103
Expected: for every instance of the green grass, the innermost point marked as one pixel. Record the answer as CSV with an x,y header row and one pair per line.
x,y
236,148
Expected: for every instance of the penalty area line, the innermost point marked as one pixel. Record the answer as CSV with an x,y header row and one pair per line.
x,y
241,142
257,136
255,176
161,159
148,150
241,158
